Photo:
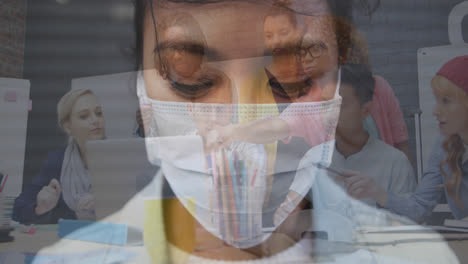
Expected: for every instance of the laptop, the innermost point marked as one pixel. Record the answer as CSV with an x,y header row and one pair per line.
x,y
118,168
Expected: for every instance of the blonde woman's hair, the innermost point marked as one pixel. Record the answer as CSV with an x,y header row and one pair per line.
x,y
453,144
66,103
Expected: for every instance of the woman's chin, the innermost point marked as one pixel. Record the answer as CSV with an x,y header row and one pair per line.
x,y
96,137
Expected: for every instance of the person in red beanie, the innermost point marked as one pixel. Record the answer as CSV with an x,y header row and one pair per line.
x,y
447,171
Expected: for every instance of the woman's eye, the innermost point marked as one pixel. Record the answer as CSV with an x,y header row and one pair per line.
x,y
315,48
177,47
445,100
99,113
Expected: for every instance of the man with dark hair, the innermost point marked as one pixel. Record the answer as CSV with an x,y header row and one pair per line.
x,y
356,150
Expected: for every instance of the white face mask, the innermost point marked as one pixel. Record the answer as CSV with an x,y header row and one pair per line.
x,y
228,202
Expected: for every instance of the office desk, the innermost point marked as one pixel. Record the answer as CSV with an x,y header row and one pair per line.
x,y
45,235
417,247
422,247
419,251
45,242
432,250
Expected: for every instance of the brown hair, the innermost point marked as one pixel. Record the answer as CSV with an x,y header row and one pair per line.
x,y
453,146
341,34
357,52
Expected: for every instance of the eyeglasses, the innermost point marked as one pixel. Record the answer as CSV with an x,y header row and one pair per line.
x,y
315,50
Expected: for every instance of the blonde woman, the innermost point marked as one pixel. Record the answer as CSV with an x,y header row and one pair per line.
x,y
62,189
447,173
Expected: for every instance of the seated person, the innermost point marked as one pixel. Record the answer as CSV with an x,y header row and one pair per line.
x,y
385,121
282,81
317,57
62,189
447,171
387,117
355,148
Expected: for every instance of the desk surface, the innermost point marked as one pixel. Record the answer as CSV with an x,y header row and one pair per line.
x,y
419,247
424,247
44,236
433,250
46,242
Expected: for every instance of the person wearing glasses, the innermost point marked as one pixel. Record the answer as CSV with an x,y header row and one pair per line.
x,y
281,83
316,59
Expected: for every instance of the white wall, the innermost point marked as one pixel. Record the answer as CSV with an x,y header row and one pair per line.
x,y
14,104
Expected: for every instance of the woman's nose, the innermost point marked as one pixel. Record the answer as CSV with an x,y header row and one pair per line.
x,y
276,41
436,111
178,54
95,119
308,57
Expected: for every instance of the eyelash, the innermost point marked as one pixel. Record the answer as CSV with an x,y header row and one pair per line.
x,y
445,100
189,48
193,91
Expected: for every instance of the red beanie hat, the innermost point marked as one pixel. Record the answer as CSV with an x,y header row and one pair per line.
x,y
456,71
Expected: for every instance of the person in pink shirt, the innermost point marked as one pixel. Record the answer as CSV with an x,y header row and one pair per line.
x,y
388,116
386,121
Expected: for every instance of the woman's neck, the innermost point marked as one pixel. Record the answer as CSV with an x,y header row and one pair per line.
x,y
284,68
348,146
82,152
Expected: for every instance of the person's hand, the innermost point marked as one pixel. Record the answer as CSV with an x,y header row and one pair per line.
x,y
287,207
219,137
86,202
362,186
48,197
85,207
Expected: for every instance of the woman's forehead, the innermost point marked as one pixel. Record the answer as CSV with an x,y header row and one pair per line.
x,y
306,7
444,87
85,102
234,28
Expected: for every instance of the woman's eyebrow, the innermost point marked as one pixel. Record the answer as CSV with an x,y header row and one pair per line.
x,y
83,111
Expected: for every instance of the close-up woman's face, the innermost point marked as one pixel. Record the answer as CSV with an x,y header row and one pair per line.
x,y
451,109
280,34
86,120
237,37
